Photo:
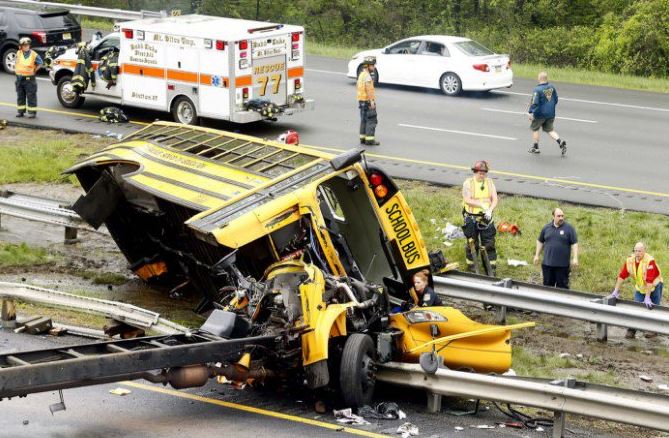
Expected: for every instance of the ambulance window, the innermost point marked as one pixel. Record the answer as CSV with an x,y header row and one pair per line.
x,y
332,203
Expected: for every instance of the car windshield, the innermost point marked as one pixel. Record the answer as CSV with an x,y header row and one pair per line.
x,y
472,48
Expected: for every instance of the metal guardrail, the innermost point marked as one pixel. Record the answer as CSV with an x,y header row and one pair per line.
x,y
562,397
93,11
552,301
126,313
44,210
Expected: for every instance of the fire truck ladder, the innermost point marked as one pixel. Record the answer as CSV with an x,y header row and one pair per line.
x,y
105,362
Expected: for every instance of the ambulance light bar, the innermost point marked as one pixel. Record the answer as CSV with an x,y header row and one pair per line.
x,y
266,28
127,33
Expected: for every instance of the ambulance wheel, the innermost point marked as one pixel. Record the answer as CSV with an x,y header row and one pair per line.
x,y
357,372
450,84
66,95
183,111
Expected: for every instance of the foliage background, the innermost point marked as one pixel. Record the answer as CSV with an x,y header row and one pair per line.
x,y
616,36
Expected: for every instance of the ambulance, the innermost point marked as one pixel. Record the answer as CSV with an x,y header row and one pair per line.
x,y
197,66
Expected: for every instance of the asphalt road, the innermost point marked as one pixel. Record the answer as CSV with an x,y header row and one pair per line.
x,y
219,410
616,139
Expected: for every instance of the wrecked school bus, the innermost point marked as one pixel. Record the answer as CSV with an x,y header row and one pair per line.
x,y
282,241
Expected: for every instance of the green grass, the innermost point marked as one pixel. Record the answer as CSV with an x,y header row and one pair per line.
x,y
606,236
530,71
111,278
97,23
528,364
22,255
29,155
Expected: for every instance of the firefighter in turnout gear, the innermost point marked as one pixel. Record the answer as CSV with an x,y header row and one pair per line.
x,y
367,102
27,64
479,199
83,72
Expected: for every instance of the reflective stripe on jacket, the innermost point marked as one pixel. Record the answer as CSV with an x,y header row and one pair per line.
x,y
365,86
639,274
479,191
25,66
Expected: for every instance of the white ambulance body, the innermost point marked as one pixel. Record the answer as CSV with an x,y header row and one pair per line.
x,y
198,66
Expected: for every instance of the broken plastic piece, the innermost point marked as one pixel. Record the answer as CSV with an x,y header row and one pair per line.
x,y
516,263
646,378
120,391
407,430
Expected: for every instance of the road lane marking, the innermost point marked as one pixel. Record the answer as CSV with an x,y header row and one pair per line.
x,y
435,164
325,71
253,410
453,131
523,113
70,113
594,102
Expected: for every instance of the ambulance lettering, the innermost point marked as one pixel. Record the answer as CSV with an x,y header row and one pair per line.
x,y
405,239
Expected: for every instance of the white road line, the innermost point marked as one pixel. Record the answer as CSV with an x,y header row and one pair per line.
x,y
594,102
325,71
522,113
453,131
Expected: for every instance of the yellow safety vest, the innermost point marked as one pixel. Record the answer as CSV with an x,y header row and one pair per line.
x,y
25,66
639,274
479,191
364,80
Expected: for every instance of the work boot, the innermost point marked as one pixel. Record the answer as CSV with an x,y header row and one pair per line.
x,y
534,150
372,143
32,115
649,335
631,334
563,147
19,114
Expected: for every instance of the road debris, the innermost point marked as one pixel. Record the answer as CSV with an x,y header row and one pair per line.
x,y
383,411
564,355
347,416
35,325
510,372
120,391
459,428
452,232
481,426
646,378
320,407
407,430
663,387
515,263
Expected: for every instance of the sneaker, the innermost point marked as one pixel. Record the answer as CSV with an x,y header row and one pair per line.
x,y
534,150
630,334
19,114
563,146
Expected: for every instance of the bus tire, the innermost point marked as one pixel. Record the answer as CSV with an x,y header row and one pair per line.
x,y
357,372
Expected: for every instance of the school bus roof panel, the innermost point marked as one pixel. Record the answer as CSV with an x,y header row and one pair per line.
x,y
204,26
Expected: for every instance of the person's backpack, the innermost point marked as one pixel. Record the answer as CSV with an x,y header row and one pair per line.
x,y
111,114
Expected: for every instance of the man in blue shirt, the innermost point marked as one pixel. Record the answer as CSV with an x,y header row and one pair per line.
x,y
560,244
542,113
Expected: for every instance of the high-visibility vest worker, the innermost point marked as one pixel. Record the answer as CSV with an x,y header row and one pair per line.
x,y
639,272
26,66
481,191
366,91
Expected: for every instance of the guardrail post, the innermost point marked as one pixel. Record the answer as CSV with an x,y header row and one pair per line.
x,y
500,311
70,235
558,424
603,329
433,402
8,315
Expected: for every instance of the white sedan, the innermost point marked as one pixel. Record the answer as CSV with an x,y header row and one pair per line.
x,y
449,63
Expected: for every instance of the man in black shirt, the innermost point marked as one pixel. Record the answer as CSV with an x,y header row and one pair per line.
x,y
559,241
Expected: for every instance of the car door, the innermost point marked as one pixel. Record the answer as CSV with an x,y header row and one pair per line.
x,y
111,42
395,63
432,60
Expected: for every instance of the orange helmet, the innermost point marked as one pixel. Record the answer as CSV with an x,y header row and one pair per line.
x,y
481,166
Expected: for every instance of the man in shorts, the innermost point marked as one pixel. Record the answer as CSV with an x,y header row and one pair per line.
x,y
542,113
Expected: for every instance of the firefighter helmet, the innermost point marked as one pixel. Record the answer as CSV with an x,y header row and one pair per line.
x,y
481,166
369,60
24,41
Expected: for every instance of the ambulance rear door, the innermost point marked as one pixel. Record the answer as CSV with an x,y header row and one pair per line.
x,y
269,67
142,61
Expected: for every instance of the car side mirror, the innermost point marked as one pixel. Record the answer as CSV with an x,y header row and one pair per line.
x,y
386,51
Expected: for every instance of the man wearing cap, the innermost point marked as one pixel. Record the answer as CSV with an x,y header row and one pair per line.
x,y
479,199
27,63
367,102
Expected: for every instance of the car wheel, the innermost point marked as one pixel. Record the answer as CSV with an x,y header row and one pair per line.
x,y
9,59
357,373
66,95
450,84
183,111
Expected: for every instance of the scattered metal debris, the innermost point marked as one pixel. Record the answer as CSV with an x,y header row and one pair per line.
x,y
120,391
407,430
347,416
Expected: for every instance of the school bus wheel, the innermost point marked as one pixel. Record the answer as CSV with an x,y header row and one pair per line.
x,y
358,370
183,111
